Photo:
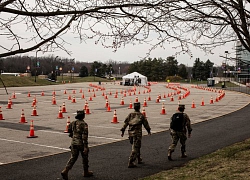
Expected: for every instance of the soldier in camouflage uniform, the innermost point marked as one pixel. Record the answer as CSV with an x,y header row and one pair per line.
x,y
78,131
135,120
180,134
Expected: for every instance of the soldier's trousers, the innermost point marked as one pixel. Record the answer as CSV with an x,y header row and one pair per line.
x,y
75,150
136,146
176,136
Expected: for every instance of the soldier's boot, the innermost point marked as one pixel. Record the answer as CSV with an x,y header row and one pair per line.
x,y
131,164
87,173
170,155
140,160
64,173
183,154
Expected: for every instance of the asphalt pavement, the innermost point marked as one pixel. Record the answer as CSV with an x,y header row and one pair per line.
x,y
109,160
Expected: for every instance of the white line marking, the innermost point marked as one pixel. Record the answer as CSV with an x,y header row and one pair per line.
x,y
104,127
65,149
97,137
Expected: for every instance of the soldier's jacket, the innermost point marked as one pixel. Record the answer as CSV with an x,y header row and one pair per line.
x,y
78,131
135,120
186,124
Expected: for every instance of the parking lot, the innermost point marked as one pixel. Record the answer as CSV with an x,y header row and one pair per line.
x,y
15,146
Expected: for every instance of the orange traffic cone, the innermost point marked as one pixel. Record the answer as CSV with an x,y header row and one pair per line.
x,y
54,93
34,112
42,94
164,96
87,110
73,91
211,100
172,98
136,99
69,97
145,103
149,98
106,104
32,131
130,105
114,118
158,99
33,103
124,94
53,100
67,125
1,115
9,104
193,104
28,94
83,95
65,92
64,108
115,96
22,120
13,95
108,108
202,102
122,101
144,112
163,111
94,95
179,97
80,91
73,100
90,98
60,114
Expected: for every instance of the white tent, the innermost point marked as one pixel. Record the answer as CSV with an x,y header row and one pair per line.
x,y
133,77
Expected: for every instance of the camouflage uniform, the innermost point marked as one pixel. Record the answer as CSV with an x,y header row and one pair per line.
x,y
78,131
78,143
135,120
180,135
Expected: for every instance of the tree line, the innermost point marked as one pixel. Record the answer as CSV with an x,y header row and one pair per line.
x,y
156,69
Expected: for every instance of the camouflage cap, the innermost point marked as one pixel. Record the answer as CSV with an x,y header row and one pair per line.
x,y
182,106
137,105
80,114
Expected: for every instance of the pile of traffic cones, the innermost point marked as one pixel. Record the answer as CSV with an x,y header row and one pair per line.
x,y
1,115
114,118
22,119
32,131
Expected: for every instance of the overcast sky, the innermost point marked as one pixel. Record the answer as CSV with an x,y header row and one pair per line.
x,y
90,52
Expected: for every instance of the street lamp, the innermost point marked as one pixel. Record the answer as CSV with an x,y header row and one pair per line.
x,y
61,72
36,64
226,52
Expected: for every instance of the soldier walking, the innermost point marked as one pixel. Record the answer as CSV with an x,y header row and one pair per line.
x,y
179,125
78,131
135,120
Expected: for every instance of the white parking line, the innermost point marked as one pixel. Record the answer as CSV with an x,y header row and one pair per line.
x,y
65,149
97,137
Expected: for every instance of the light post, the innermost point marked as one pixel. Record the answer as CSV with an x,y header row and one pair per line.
x,y
36,64
226,52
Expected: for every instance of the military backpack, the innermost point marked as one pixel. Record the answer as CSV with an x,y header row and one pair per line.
x,y
177,122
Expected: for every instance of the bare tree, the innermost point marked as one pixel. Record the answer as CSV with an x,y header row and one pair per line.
x,y
115,23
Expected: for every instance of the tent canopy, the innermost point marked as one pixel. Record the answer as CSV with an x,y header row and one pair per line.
x,y
132,78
